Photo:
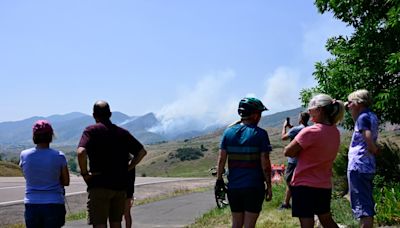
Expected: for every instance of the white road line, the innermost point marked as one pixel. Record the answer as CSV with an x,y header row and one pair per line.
x,y
23,186
81,192
19,186
11,202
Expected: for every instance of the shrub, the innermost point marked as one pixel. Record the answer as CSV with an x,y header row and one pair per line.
x,y
187,154
388,204
388,164
340,169
203,148
72,165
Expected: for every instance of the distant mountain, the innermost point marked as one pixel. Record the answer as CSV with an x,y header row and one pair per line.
x,y
140,123
277,119
139,127
68,128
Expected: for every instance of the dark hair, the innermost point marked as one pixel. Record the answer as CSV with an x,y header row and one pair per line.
x,y
42,138
304,116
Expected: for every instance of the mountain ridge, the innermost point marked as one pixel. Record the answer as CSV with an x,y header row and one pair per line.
x,y
69,127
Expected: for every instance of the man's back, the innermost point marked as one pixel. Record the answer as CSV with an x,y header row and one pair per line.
x,y
107,146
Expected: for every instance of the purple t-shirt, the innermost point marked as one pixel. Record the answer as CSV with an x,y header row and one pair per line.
x,y
360,159
108,147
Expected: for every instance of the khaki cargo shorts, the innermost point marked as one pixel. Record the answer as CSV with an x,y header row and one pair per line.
x,y
105,204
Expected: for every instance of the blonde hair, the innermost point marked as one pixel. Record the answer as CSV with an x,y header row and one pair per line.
x,y
332,108
361,96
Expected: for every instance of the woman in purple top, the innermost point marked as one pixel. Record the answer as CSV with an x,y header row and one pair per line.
x,y
46,174
362,151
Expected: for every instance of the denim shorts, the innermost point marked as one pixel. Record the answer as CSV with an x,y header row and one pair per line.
x,y
361,199
44,215
289,172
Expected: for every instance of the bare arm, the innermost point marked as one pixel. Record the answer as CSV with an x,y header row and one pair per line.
x,y
221,163
372,147
266,167
284,134
293,149
64,176
82,161
137,159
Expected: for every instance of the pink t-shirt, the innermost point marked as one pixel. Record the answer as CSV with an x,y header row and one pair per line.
x,y
320,145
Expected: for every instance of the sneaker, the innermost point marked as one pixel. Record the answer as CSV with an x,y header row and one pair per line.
x,y
284,206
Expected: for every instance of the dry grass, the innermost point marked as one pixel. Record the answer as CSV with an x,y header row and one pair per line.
x,y
8,169
157,163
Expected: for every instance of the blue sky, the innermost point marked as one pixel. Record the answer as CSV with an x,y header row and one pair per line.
x,y
180,59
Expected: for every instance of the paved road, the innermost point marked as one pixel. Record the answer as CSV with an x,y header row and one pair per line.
x,y
11,212
172,213
12,189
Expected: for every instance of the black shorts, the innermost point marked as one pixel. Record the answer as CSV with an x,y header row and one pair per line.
x,y
289,172
131,184
246,199
309,201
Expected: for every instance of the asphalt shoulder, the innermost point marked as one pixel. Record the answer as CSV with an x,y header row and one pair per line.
x,y
178,211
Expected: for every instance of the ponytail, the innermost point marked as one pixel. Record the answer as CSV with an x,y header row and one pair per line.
x,y
335,111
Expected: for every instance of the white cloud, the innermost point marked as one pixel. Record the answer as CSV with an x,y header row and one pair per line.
x,y
316,35
283,86
197,108
282,89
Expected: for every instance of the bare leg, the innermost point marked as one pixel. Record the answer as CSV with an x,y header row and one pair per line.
x,y
288,195
127,213
237,219
366,222
250,219
327,220
306,222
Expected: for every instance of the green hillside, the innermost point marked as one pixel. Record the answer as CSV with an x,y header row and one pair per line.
x,y
161,159
164,160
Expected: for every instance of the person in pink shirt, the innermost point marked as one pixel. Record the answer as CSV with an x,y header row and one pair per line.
x,y
316,148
